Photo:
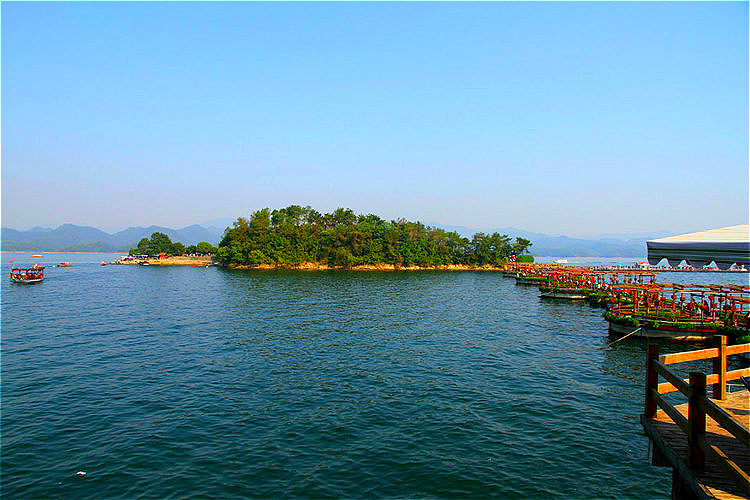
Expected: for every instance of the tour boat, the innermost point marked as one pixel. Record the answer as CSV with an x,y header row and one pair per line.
x,y
561,261
64,264
528,280
551,292
33,274
665,330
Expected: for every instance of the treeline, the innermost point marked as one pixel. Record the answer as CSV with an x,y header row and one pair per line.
x,y
295,235
161,243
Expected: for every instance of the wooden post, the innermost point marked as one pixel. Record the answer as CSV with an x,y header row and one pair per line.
x,y
696,420
720,367
652,379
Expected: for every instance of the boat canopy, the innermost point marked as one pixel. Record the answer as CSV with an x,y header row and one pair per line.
x,y
724,246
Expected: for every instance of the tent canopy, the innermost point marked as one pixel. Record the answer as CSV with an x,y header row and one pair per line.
x,y
725,246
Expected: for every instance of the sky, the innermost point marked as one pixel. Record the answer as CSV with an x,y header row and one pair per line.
x,y
563,118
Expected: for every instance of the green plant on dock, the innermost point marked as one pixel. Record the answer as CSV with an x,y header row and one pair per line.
x,y
735,335
678,325
557,289
620,320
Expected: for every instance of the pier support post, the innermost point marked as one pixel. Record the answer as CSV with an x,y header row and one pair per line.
x,y
720,368
697,420
680,489
652,379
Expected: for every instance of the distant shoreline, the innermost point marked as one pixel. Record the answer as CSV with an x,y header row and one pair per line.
x,y
318,266
61,251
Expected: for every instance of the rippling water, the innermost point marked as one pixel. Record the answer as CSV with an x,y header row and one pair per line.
x,y
192,382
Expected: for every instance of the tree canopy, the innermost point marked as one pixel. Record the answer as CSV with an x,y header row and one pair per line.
x,y
295,235
161,243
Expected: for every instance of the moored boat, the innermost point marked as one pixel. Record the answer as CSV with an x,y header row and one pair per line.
x,y
33,274
528,280
665,330
564,293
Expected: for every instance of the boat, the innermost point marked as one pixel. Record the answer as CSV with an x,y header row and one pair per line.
x,y
564,293
64,264
561,261
33,274
666,331
37,255
102,263
528,280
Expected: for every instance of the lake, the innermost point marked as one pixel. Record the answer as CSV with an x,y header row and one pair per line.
x,y
193,382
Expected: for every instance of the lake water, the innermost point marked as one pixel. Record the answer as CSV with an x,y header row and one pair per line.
x,y
194,382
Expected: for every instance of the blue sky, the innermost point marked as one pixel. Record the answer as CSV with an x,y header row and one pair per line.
x,y
565,118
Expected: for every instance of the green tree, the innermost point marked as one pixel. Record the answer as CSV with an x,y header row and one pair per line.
x,y
205,247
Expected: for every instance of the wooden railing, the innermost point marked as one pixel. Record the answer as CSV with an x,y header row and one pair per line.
x,y
699,405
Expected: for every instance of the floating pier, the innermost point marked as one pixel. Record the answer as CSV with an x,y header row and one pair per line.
x,y
706,440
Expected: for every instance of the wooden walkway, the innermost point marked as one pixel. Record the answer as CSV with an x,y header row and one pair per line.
x,y
672,445
706,441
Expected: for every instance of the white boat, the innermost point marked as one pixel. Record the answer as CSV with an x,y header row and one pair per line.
x,y
561,261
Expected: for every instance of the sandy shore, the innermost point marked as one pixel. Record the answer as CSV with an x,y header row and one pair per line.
x,y
318,266
169,261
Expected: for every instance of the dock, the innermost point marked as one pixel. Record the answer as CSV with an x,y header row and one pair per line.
x,y
705,440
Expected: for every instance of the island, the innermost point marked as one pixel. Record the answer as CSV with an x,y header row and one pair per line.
x,y
299,237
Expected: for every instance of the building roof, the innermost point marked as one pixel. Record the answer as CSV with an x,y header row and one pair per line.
x,y
724,246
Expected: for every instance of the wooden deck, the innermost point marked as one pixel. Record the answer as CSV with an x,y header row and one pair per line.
x,y
672,443
706,441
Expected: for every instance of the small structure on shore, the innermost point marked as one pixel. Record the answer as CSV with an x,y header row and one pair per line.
x,y
724,246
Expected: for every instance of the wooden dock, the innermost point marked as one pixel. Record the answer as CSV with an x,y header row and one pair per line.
x,y
706,440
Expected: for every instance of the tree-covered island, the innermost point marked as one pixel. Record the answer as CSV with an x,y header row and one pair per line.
x,y
296,235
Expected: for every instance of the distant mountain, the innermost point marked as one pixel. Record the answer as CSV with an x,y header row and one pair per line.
x,y
84,238
605,245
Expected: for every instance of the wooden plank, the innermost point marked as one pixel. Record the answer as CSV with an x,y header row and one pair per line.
x,y
713,481
666,387
737,349
677,417
655,430
652,379
672,378
736,374
697,420
681,357
725,420
720,368
739,476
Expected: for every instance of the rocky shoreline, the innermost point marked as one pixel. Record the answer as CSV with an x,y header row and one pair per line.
x,y
319,266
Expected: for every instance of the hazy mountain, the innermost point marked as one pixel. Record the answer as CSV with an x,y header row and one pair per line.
x,y
221,223
605,245
83,238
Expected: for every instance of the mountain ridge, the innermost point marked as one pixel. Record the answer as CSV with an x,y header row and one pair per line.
x,y
86,238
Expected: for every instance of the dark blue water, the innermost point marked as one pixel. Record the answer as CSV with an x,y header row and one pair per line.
x,y
192,382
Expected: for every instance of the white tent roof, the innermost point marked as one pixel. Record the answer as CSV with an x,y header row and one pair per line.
x,y
724,246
